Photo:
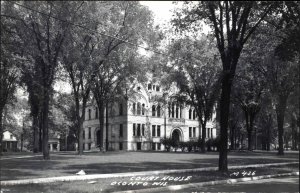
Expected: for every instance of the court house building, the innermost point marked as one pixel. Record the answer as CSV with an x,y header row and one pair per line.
x,y
142,120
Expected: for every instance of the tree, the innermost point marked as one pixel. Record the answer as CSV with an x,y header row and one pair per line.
x,y
113,61
283,64
76,60
41,32
235,125
8,69
197,77
232,23
248,89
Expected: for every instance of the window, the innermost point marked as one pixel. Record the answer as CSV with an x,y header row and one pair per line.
x,y
96,116
153,130
158,110
121,130
194,114
177,110
153,110
133,108
139,108
173,106
190,114
83,146
83,134
208,132
158,130
120,109
158,146
169,108
134,129
143,109
194,131
190,131
153,87
11,136
90,133
138,129
149,86
143,129
120,146
157,88
89,146
180,111
153,146
90,114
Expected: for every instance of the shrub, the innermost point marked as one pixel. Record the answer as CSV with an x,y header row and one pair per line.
x,y
167,142
182,145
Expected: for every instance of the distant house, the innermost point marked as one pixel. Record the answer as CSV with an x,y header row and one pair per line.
x,y
9,142
53,143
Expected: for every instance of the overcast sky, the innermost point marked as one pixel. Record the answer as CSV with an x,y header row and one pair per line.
x,y
162,10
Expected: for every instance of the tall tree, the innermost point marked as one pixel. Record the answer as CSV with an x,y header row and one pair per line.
x,y
42,28
248,90
76,59
8,68
113,60
197,75
232,23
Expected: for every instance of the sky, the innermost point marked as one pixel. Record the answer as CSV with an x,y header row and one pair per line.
x,y
162,10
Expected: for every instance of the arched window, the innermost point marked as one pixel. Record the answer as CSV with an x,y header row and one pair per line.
x,y
173,106
190,114
177,110
153,110
194,114
96,116
90,114
139,108
169,108
158,110
143,109
180,111
134,108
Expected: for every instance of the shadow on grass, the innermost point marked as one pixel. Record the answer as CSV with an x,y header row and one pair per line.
x,y
61,165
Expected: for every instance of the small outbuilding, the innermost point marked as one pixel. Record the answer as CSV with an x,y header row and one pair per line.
x,y
9,141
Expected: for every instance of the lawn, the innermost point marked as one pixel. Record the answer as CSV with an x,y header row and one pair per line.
x,y
127,183
118,162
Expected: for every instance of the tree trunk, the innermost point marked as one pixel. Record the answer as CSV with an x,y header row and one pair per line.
x,y
249,135
101,123
224,112
80,135
280,110
45,111
40,132
203,150
294,134
35,125
106,127
232,128
1,131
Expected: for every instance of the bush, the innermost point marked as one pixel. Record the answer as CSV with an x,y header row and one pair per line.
x,y
216,143
167,142
182,145
190,145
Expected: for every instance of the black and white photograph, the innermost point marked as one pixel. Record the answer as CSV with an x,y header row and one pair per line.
x,y
149,96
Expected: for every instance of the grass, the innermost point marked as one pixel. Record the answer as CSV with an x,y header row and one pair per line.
x,y
118,162
104,185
